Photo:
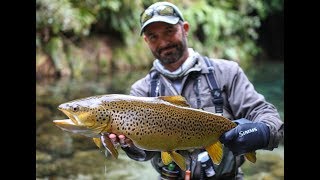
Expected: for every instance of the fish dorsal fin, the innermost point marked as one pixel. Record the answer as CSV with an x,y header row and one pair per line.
x,y
215,152
177,100
166,158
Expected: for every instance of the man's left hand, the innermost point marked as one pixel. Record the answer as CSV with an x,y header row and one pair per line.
x,y
247,136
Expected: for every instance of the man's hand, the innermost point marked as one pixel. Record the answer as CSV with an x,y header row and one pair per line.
x,y
117,140
127,145
247,136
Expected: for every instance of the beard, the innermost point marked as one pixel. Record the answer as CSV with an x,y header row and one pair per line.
x,y
171,53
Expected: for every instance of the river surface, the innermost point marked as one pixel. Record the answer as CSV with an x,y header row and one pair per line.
x,y
62,155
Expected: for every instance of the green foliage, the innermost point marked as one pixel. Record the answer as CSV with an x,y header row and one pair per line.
x,y
219,28
227,29
54,48
62,16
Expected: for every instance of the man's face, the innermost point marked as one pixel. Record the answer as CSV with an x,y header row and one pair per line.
x,y
167,42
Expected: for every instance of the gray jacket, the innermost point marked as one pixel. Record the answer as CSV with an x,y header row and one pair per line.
x,y
241,100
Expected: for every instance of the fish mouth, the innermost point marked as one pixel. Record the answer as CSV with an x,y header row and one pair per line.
x,y
72,117
70,126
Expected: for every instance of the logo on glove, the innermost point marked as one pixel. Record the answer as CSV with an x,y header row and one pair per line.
x,y
242,133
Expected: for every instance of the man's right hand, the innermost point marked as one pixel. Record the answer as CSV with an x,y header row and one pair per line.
x,y
121,140
128,147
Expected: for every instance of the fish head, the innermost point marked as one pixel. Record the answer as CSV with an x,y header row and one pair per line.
x,y
86,117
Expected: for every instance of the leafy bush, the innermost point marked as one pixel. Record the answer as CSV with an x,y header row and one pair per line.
x,y
219,28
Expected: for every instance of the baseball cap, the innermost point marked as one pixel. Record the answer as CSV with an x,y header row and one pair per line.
x,y
160,12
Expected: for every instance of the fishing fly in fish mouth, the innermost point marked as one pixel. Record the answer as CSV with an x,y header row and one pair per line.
x,y
164,123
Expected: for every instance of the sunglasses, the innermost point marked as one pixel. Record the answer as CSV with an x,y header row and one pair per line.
x,y
162,10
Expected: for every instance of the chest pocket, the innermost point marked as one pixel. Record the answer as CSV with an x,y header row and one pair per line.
x,y
197,91
201,90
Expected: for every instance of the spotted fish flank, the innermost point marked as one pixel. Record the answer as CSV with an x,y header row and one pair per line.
x,y
164,123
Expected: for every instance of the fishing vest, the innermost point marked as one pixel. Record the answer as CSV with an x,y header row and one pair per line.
x,y
215,91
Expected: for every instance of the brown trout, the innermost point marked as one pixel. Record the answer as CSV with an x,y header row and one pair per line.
x,y
165,123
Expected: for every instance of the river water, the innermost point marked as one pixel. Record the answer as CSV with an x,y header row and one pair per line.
x,y
62,155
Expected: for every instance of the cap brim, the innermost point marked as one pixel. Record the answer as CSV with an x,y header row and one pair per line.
x,y
166,19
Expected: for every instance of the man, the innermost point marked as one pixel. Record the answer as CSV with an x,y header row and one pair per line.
x,y
214,85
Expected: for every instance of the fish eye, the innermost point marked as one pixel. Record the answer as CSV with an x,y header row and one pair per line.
x,y
75,108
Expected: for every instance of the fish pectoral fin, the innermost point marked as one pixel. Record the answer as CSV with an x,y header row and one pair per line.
x,y
215,152
177,100
166,158
251,156
98,142
179,160
110,147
